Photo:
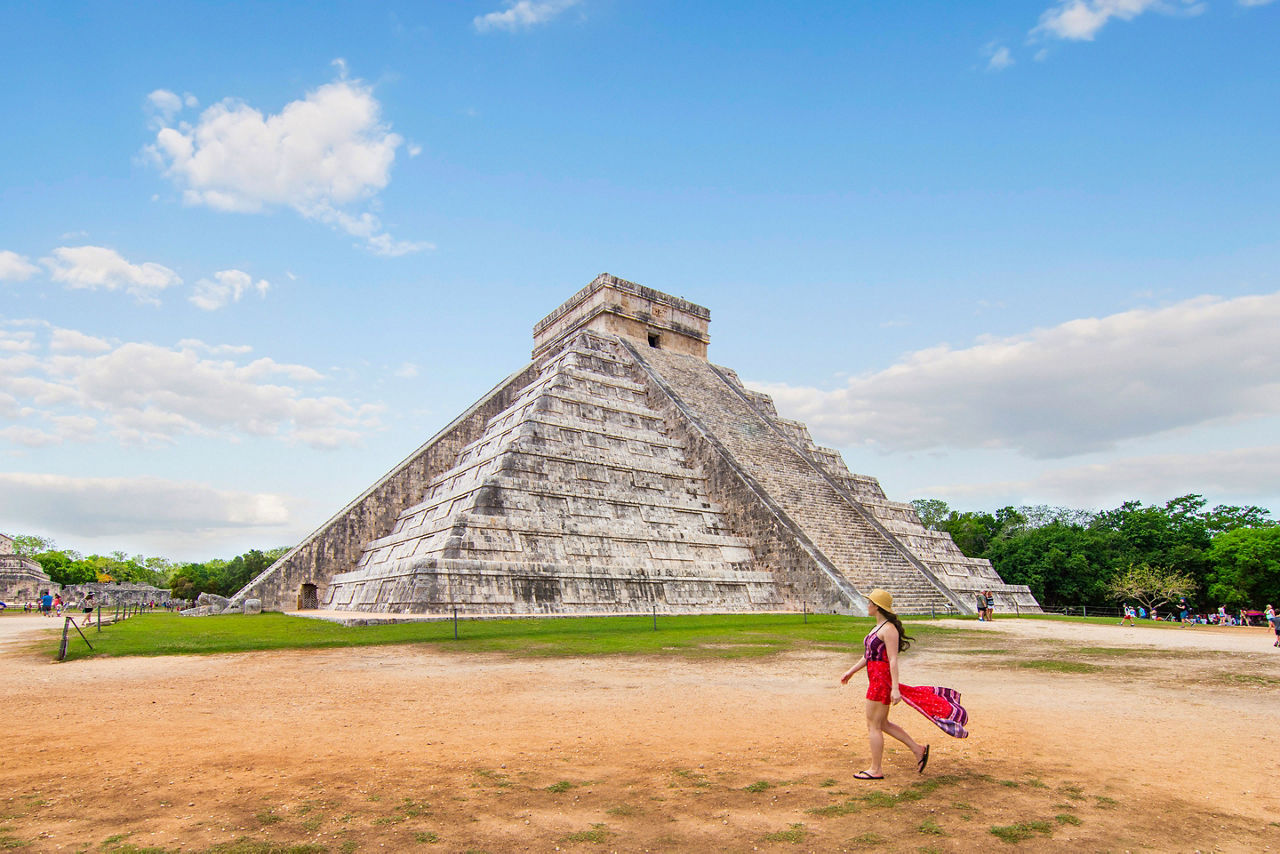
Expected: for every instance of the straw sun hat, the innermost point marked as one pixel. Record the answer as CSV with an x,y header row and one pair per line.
x,y
882,598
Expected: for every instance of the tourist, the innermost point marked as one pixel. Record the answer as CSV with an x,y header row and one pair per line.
x,y
991,606
1274,620
980,603
1129,615
88,607
46,604
1184,611
880,657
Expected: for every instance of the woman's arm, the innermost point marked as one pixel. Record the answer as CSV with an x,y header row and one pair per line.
x,y
862,662
889,635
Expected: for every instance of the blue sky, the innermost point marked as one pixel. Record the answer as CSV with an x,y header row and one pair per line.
x,y
251,256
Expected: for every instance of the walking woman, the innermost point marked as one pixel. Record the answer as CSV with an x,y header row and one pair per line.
x,y
880,657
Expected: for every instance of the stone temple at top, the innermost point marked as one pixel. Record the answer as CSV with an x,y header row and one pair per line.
x,y
617,472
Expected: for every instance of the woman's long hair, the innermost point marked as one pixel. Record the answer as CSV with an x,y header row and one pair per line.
x,y
904,640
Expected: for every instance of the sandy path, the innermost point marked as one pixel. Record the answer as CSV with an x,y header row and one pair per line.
x,y
398,748
1209,638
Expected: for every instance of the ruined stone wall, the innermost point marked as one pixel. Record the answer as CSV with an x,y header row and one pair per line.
x,y
108,594
336,546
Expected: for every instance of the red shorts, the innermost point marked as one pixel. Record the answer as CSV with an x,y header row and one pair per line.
x,y
879,682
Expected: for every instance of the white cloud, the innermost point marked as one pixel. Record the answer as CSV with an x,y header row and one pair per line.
x,y
227,286
1254,2
407,371
132,505
166,103
1079,387
95,267
998,57
140,392
318,156
69,340
218,349
522,15
1080,20
15,267
12,342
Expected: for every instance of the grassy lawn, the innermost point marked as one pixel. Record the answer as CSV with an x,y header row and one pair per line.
x,y
713,635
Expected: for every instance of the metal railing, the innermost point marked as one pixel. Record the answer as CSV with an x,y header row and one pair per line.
x,y
123,611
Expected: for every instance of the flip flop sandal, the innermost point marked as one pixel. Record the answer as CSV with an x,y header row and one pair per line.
x,y
924,760
863,775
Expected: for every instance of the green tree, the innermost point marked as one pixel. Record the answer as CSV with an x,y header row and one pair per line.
x,y
63,568
931,511
1245,567
189,581
1174,536
29,545
1150,586
1062,563
972,532
1225,517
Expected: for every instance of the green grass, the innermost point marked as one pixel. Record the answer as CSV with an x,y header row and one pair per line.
x,y
711,635
1056,666
1021,832
931,827
1251,679
757,786
886,800
562,786
793,834
1067,818
597,834
239,846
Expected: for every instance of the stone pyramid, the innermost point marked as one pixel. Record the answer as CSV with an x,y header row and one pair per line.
x,y
621,471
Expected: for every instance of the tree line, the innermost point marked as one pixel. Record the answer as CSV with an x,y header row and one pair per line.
x,y
1226,555
183,580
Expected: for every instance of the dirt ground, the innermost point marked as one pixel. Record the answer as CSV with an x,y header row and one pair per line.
x,y
1166,740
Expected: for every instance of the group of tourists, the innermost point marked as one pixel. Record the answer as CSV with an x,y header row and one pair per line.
x,y
984,602
53,605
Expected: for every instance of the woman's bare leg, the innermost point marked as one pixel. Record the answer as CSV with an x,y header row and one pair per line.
x,y
901,735
877,716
